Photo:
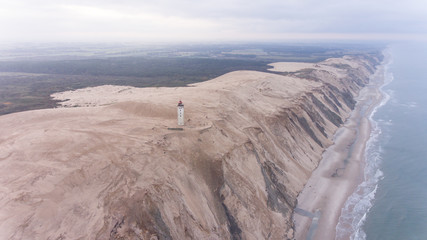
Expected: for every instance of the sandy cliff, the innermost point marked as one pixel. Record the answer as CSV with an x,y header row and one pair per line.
x,y
111,169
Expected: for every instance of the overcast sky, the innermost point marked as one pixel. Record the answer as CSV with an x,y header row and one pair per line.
x,y
211,20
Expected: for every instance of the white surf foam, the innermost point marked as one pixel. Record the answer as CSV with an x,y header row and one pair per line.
x,y
354,212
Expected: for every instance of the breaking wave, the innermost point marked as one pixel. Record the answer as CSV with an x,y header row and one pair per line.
x,y
357,206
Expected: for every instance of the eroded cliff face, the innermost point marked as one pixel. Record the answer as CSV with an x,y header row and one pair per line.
x,y
250,143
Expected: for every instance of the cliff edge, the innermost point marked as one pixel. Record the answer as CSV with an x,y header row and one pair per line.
x,y
108,166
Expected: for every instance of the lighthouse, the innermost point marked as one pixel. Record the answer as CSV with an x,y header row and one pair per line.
x,y
180,113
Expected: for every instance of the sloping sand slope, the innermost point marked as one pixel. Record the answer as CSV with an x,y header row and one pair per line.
x,y
108,167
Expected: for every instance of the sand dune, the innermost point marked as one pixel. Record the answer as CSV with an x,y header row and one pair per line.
x,y
106,165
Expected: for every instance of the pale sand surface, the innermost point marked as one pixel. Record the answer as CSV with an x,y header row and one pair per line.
x,y
290,66
64,170
78,171
340,170
200,95
329,65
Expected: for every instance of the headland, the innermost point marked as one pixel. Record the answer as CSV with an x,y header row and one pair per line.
x,y
107,165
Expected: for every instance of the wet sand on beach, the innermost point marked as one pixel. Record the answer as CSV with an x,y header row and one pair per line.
x,y
340,171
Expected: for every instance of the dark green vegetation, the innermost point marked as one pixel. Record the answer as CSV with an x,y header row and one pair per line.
x,y
30,74
32,82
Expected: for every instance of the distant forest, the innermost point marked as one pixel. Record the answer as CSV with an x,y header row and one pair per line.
x,y
34,81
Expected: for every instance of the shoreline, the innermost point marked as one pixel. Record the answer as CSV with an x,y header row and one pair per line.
x,y
340,171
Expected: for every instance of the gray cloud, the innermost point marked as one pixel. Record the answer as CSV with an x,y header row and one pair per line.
x,y
134,20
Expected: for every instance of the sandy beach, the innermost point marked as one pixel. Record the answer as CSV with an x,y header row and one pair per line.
x,y
340,171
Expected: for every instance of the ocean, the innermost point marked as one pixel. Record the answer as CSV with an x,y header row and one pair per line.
x,y
392,201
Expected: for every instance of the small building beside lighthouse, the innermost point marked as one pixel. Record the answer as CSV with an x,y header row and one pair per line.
x,y
180,113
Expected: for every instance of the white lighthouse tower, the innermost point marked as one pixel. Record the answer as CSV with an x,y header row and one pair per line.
x,y
180,113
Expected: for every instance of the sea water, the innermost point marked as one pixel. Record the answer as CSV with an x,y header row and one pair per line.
x,y
392,201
